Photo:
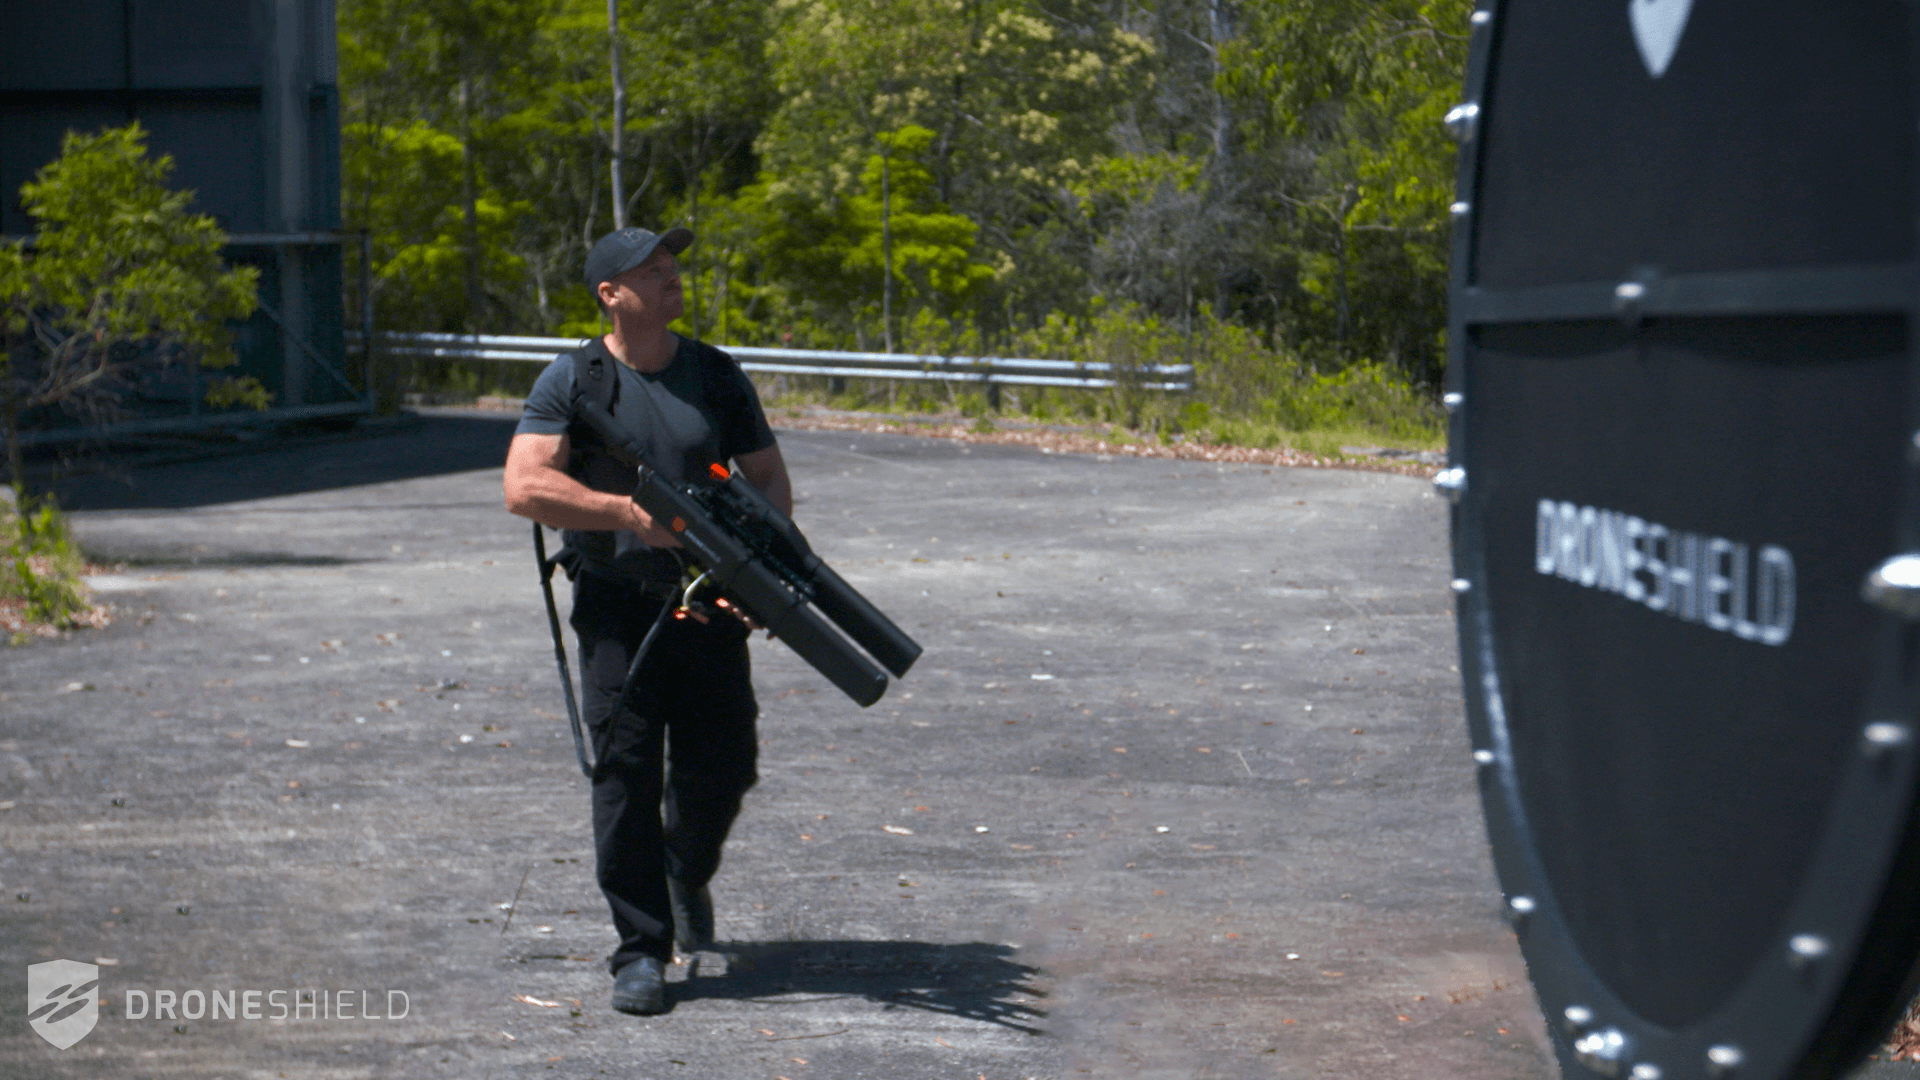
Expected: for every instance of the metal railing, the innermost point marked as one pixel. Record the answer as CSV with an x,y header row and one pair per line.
x,y
990,371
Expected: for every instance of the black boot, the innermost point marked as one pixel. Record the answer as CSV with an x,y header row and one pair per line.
x,y
640,988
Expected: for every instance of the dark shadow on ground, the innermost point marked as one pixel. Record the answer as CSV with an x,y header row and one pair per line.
x,y
376,452
973,980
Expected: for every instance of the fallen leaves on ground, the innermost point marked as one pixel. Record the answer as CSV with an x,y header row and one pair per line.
x,y
15,624
14,621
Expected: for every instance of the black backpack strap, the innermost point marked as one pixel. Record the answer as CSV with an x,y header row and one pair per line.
x,y
560,648
593,380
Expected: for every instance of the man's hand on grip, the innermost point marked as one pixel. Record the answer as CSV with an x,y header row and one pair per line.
x,y
649,530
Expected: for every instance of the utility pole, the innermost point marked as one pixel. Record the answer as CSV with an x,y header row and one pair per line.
x,y
619,113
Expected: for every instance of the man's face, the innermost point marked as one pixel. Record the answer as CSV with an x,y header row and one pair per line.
x,y
648,291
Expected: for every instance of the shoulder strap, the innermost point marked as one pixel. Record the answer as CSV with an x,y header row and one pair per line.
x,y
592,380
713,369
595,381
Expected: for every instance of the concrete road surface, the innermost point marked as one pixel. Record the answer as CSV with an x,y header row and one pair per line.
x,y
1180,788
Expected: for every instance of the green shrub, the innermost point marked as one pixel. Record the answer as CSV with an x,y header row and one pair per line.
x,y
40,568
1246,391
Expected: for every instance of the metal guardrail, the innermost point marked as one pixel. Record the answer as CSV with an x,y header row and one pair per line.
x,y
987,370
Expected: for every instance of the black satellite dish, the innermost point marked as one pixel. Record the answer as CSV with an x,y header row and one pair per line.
x,y
1684,473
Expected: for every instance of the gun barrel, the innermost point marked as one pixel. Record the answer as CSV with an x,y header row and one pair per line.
x,y
836,599
807,634
863,622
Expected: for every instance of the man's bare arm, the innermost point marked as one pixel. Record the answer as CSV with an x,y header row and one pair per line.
x,y
767,470
537,486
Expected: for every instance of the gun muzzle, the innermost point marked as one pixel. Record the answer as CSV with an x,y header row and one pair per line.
x,y
863,622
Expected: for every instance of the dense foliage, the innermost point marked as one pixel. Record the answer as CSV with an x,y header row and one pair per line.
x,y
922,173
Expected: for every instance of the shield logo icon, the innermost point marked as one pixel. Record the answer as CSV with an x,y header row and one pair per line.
x,y
61,1006
1657,26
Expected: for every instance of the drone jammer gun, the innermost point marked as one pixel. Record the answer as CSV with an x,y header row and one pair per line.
x,y
764,566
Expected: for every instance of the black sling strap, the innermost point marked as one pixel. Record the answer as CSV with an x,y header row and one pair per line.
x,y
592,381
603,393
560,647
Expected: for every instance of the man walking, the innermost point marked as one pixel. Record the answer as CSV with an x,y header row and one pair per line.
x,y
691,407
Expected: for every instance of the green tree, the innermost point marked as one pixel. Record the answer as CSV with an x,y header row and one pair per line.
x,y
1343,100
1275,164
700,96
478,138
1019,96
430,244
456,125
121,276
899,223
1163,232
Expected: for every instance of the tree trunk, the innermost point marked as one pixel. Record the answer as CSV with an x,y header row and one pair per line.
x,y
16,458
538,264
476,300
886,244
619,112
1218,30
593,203
1340,254
693,222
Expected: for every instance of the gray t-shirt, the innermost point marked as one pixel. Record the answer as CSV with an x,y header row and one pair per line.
x,y
698,411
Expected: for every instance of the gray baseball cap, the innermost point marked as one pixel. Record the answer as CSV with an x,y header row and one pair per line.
x,y
623,249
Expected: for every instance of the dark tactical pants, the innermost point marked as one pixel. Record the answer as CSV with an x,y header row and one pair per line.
x,y
693,706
